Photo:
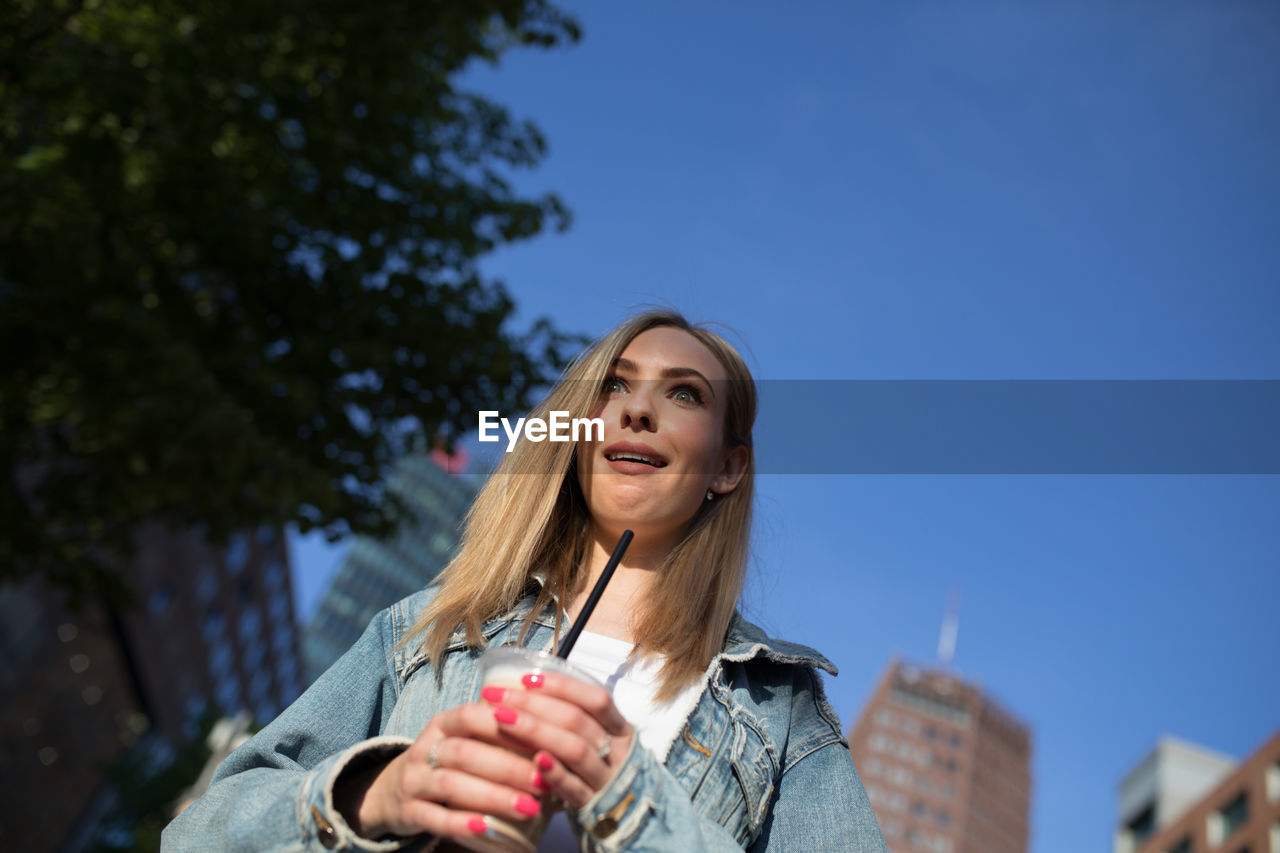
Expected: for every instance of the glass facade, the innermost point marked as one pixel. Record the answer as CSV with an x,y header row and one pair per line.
x,y
377,573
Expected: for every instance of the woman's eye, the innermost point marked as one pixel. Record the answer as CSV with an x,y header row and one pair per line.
x,y
686,394
612,385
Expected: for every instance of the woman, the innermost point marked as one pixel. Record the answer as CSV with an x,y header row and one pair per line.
x,y
737,747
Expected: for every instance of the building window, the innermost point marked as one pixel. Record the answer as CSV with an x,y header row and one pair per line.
x,y
282,639
249,624
1235,814
252,656
237,553
1228,819
1273,788
935,707
898,775
258,687
279,608
265,712
214,622
1141,825
192,711
220,661
207,587
228,695
266,536
159,601
274,573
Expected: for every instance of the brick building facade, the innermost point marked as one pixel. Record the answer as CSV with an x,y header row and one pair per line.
x,y
947,770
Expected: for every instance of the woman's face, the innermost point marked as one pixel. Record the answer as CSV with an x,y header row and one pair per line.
x,y
663,407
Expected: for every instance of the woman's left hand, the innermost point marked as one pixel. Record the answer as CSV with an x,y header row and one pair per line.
x,y
580,736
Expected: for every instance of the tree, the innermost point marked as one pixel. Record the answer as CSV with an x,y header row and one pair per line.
x,y
238,247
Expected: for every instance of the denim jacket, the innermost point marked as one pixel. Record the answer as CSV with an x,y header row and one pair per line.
x,y
760,763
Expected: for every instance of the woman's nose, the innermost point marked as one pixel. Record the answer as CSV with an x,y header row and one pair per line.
x,y
637,409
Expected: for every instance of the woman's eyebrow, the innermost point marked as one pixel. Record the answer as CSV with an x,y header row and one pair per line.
x,y
680,372
667,372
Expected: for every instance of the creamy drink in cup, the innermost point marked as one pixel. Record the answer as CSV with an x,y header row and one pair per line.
x,y
505,666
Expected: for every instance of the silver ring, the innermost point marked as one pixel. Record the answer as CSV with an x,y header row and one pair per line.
x,y
433,755
603,749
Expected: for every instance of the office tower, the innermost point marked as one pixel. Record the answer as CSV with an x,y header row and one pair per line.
x,y
1183,798
376,574
69,707
947,770
82,686
228,612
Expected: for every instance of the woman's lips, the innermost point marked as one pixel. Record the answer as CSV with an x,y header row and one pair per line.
x,y
632,458
626,466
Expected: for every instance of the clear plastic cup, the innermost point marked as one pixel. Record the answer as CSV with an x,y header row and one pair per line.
x,y
505,666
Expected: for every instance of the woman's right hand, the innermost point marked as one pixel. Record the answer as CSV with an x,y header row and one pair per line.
x,y
460,769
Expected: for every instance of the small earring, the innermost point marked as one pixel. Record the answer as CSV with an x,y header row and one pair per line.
x,y
709,494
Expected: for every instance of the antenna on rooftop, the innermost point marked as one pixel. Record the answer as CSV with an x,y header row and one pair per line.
x,y
950,629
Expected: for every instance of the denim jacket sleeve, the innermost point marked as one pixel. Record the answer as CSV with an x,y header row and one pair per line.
x,y
275,793
816,801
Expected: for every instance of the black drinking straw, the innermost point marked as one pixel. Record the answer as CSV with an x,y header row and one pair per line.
x,y
566,645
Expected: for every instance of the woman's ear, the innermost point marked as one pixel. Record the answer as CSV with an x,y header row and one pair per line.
x,y
731,470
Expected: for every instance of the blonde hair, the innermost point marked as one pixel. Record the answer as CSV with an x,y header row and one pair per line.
x,y
518,526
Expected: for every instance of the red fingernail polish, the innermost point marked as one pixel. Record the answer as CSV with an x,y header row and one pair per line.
x,y
504,715
539,782
493,694
544,761
533,679
527,805
477,825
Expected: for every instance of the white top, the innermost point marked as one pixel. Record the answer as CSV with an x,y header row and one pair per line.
x,y
634,685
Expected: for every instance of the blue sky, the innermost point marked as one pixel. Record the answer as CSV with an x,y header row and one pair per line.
x,y
987,190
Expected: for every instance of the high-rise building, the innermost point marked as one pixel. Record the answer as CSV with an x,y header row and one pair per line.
x,y
946,768
1183,798
377,573
80,686
214,625
69,708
